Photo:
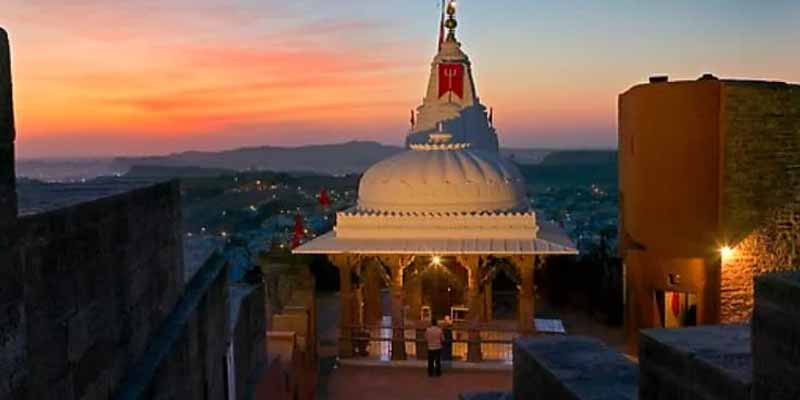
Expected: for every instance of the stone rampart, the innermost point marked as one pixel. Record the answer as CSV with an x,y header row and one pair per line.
x,y
83,289
710,362
571,368
776,337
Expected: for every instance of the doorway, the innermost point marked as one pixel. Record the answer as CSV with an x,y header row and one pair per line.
x,y
676,309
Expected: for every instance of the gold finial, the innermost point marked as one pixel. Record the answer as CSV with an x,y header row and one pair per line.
x,y
451,22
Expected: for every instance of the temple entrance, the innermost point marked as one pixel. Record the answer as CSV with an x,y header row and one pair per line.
x,y
505,297
443,287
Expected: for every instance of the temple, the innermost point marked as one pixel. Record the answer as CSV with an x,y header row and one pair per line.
x,y
441,226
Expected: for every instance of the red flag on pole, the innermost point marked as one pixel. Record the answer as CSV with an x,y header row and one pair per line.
x,y
299,231
324,199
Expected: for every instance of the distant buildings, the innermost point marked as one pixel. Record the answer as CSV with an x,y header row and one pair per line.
x,y
709,190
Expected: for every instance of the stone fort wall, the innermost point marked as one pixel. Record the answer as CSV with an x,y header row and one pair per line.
x,y
761,195
83,289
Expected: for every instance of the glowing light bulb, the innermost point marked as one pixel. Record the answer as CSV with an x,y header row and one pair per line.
x,y
436,260
727,252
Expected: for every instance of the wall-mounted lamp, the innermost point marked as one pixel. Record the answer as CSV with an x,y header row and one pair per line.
x,y
726,252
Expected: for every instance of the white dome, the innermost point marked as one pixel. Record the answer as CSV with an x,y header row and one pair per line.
x,y
442,180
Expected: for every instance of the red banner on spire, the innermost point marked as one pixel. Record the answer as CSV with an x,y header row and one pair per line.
x,y
451,79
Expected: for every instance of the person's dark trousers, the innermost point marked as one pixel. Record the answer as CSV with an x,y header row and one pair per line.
x,y
435,362
447,346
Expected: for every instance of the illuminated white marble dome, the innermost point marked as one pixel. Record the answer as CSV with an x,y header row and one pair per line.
x,y
442,178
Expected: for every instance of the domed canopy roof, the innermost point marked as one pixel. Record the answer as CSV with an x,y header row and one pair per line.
x,y
442,178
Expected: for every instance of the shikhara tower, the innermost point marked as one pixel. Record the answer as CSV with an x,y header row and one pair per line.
x,y
451,103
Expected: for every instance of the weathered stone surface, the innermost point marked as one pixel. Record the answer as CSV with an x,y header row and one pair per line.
x,y
711,362
761,199
486,396
8,196
776,337
571,367
70,328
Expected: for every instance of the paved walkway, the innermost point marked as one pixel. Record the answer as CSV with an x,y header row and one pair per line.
x,y
347,383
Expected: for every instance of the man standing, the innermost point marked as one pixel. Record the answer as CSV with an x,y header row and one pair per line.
x,y
434,336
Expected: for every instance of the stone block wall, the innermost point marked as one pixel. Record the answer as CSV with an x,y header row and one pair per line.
x,y
571,368
8,196
83,289
710,362
776,337
761,191
774,247
249,338
186,358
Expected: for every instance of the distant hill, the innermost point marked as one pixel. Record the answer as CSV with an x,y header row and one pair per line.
x,y
581,157
573,168
335,159
152,171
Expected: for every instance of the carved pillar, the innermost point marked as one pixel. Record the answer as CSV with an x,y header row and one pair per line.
x,y
347,298
371,291
413,299
474,298
525,266
476,309
397,266
8,192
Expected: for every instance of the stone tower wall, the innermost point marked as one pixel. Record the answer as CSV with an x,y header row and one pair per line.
x,y
761,195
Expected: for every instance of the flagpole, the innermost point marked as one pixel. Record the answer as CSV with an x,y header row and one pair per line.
x,y
441,25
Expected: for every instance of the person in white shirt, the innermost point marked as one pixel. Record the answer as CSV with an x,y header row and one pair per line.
x,y
434,336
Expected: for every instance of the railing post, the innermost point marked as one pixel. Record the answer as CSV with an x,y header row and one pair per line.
x,y
474,353
421,345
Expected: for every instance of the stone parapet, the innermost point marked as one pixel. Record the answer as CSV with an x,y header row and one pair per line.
x,y
8,195
710,362
82,291
776,337
487,396
571,368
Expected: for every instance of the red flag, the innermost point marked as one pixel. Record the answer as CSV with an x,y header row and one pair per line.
x,y
299,231
451,79
324,199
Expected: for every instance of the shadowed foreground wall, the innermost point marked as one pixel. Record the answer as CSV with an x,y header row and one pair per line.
x,y
8,197
82,290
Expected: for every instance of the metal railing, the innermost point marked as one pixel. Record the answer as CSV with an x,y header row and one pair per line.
x,y
474,343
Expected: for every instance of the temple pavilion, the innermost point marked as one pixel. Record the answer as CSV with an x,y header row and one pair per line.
x,y
440,225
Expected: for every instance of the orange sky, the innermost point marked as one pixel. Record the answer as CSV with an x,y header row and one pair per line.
x,y
154,76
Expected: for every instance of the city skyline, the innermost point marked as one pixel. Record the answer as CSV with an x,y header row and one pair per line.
x,y
150,78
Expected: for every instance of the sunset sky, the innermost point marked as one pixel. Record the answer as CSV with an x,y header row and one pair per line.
x,y
100,77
